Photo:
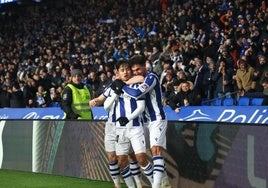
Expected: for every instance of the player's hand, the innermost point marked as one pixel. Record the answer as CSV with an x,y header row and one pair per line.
x,y
93,102
123,121
117,86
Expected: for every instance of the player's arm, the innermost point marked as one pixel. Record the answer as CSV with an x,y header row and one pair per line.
x,y
135,79
143,88
101,98
140,108
138,111
97,101
113,97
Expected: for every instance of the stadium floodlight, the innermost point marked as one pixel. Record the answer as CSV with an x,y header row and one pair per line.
x,y
7,1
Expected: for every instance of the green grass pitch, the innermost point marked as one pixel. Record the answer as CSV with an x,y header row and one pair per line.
x,y
19,179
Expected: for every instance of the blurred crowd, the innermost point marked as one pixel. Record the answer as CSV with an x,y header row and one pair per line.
x,y
201,50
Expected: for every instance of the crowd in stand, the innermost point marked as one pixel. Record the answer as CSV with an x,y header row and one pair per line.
x,y
201,50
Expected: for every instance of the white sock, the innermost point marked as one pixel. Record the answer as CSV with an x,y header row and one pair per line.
x,y
127,176
165,180
115,172
136,173
148,172
159,168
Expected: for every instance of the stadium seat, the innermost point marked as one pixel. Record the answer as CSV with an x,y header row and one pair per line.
x,y
54,104
243,101
256,102
228,102
205,102
217,102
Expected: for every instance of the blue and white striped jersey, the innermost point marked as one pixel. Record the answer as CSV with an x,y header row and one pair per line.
x,y
151,89
111,117
123,107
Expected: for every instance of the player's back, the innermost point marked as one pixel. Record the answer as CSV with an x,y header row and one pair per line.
x,y
154,107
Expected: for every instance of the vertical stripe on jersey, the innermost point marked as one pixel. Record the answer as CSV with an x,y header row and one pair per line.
x,y
122,107
154,98
127,105
133,104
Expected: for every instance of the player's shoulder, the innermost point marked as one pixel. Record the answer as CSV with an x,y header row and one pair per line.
x,y
107,91
151,75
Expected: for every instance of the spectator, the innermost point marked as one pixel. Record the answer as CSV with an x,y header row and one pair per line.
x,y
172,92
8,81
224,55
16,97
29,92
181,76
201,39
223,78
166,69
92,81
42,98
183,25
210,82
167,83
210,50
265,91
199,78
98,65
104,82
24,90
55,95
261,69
122,52
184,96
55,79
5,96
245,77
260,94
45,79
156,60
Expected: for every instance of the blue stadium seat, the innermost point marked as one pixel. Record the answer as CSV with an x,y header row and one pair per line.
x,y
256,102
228,102
243,101
205,102
54,104
217,102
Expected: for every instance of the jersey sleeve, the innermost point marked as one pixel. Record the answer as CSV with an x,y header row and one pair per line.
x,y
142,88
110,100
106,92
138,111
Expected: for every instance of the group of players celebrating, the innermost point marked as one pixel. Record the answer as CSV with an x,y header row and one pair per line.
x,y
134,105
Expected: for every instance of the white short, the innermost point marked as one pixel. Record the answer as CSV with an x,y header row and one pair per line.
x,y
157,131
130,139
109,137
147,135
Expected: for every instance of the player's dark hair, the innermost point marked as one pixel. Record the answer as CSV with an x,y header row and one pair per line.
x,y
121,63
137,60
